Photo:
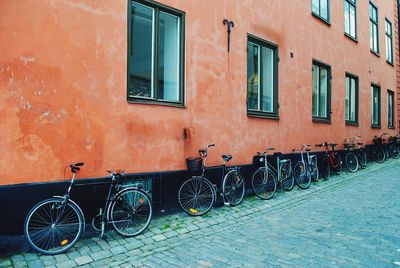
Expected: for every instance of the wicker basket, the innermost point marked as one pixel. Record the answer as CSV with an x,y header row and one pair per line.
x,y
377,141
194,163
349,146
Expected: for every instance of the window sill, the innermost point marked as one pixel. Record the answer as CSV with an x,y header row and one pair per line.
x,y
352,123
390,63
321,120
327,22
155,102
264,115
389,127
376,126
354,39
375,53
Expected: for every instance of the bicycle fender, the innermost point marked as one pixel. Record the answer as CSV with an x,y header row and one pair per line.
x,y
79,208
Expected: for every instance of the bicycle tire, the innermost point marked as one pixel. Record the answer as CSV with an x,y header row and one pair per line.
x,y
351,162
233,187
189,193
286,176
48,238
362,159
379,155
301,176
326,168
263,183
130,212
337,161
394,151
314,170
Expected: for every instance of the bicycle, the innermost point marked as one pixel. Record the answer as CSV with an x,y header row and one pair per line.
x,y
305,169
378,152
265,179
55,224
394,149
197,195
355,157
331,161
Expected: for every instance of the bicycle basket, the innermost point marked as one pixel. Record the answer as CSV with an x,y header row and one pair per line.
x,y
377,141
194,163
349,146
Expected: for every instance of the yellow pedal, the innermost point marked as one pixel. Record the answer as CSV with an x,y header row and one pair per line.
x,y
64,242
192,210
266,195
141,200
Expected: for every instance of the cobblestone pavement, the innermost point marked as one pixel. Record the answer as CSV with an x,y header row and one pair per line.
x,y
351,220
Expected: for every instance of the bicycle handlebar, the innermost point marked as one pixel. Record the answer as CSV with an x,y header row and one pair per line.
x,y
74,167
211,145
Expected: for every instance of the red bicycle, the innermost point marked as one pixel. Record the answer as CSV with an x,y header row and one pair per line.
x,y
331,160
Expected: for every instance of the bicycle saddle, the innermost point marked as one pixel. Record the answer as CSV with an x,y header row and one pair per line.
x,y
308,150
115,172
360,143
226,157
333,144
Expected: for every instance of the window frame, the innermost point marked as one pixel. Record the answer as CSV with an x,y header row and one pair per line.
x,y
318,15
387,21
274,47
390,124
353,122
354,4
181,68
320,119
377,28
378,125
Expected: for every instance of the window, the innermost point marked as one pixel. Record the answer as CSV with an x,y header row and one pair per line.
x,y
155,53
390,106
262,78
389,41
375,106
321,74
373,23
320,8
350,23
351,105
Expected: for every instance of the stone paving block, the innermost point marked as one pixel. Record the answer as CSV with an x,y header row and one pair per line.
x,y
5,263
35,263
83,260
66,264
118,250
20,264
101,255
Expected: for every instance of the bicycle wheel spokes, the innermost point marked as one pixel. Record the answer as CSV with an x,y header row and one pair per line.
x,y
287,178
263,183
53,227
131,212
362,159
233,188
196,196
302,176
351,162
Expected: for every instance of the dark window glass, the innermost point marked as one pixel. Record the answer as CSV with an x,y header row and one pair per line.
x,y
390,106
389,41
373,23
351,101
320,91
375,106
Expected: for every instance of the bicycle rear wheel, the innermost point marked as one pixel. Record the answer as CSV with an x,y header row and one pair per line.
x,y
196,196
53,226
337,161
362,159
302,176
326,168
394,151
130,212
263,183
351,162
286,176
233,187
379,155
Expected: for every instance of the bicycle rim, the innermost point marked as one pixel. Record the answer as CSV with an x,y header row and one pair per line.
x,y
302,176
351,162
287,178
233,188
196,196
263,184
131,212
52,227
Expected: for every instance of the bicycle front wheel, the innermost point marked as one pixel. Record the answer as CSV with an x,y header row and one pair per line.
x,y
302,176
337,161
286,176
326,168
362,159
351,162
379,155
53,226
130,212
263,183
394,151
233,187
196,196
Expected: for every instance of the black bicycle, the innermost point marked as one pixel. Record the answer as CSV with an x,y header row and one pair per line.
x,y
356,155
54,225
197,195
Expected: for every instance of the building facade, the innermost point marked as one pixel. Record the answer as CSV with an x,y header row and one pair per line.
x,y
142,85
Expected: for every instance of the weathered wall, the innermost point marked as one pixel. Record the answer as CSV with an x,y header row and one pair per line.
x,y
63,85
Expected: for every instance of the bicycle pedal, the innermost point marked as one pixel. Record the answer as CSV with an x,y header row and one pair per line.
x,y
227,203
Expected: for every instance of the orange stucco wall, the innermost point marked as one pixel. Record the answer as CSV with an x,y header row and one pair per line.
x,y
63,85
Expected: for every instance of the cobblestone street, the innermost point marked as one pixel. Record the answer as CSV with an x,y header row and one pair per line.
x,y
351,220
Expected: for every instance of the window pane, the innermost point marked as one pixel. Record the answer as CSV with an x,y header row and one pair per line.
x,y
268,79
324,9
168,57
141,68
347,104
252,76
346,17
315,6
353,100
390,109
323,92
353,21
315,89
375,106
